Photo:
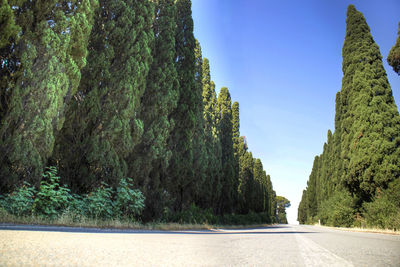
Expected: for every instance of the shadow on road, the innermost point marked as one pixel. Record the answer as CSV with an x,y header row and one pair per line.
x,y
272,230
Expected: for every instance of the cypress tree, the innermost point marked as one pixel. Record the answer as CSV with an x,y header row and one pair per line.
x,y
104,121
199,148
361,159
394,55
227,157
152,155
370,123
212,141
259,191
237,148
246,182
51,51
180,172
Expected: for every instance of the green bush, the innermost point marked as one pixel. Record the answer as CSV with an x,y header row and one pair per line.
x,y
384,210
20,202
193,215
100,204
52,198
338,210
129,202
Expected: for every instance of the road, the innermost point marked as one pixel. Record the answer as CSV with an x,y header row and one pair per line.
x,y
280,245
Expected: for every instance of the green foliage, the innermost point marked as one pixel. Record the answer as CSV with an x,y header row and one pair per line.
x,y
41,75
192,215
129,202
52,198
338,210
100,204
394,55
20,202
7,21
282,203
110,89
384,210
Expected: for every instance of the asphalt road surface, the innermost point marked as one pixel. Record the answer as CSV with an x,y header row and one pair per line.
x,y
281,245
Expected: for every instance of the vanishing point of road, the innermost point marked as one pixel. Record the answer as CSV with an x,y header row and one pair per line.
x,y
280,245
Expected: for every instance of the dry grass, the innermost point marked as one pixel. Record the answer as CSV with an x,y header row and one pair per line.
x,y
366,230
68,220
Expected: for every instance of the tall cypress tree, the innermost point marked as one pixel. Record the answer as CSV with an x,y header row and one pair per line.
x,y
394,55
104,121
51,52
152,155
370,123
227,157
199,148
212,185
362,157
180,172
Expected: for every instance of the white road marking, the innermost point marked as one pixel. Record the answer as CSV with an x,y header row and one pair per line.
x,y
315,255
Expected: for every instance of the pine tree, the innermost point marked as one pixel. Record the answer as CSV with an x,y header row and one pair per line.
x,y
51,51
104,121
227,157
152,155
394,55
181,178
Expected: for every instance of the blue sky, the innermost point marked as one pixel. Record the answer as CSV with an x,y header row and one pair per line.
x,y
282,62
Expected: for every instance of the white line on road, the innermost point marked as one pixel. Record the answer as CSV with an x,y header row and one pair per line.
x,y
315,255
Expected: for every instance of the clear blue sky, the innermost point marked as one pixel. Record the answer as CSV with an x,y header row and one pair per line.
x,y
281,60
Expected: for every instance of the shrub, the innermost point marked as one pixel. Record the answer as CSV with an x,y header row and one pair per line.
x,y
129,202
193,214
52,198
384,210
338,210
100,204
20,202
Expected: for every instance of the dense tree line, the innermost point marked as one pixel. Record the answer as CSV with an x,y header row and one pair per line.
x,y
356,179
106,90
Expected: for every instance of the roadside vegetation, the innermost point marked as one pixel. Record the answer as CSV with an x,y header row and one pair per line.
x,y
105,207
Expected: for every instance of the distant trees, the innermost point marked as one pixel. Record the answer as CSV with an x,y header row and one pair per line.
x,y
361,160
394,55
281,204
106,90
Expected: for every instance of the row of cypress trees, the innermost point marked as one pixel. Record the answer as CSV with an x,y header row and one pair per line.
x,y
356,179
106,90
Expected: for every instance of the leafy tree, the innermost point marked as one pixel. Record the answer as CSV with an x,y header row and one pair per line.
x,y
282,203
394,55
